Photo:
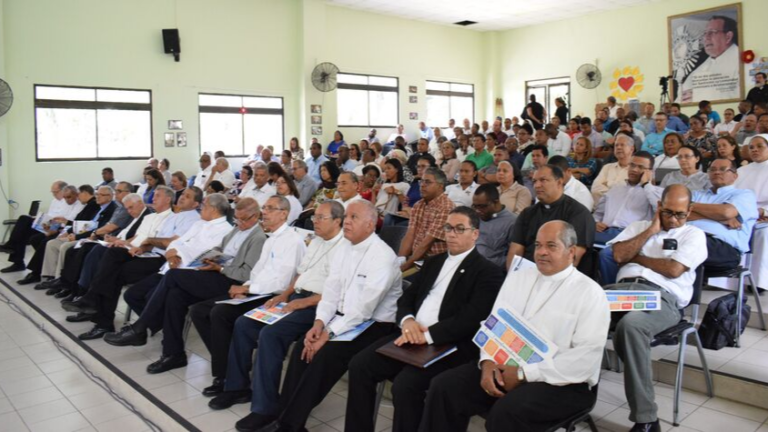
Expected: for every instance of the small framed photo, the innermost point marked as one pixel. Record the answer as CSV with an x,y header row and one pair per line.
x,y
413,89
181,139
413,99
317,109
175,125
317,120
317,130
413,116
170,139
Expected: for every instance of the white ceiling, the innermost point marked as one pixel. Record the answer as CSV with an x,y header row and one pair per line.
x,y
489,14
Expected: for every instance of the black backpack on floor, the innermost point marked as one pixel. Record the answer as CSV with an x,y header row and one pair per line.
x,y
719,323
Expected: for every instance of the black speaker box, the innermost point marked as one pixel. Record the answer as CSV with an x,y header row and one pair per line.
x,y
171,41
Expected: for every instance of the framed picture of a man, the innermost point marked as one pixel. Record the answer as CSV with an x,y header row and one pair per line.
x,y
705,55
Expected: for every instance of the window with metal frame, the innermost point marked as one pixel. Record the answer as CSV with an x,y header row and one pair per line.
x,y
447,101
92,123
237,124
367,101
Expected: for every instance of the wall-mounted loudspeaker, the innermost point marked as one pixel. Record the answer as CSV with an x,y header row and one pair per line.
x,y
171,42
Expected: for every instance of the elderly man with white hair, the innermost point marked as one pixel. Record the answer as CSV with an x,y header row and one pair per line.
x,y
616,172
222,173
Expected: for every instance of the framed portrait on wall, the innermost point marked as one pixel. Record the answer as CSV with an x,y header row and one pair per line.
x,y
317,130
413,99
181,139
705,55
170,139
413,116
316,119
175,125
316,109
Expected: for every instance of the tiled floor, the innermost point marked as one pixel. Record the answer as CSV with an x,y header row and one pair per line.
x,y
43,390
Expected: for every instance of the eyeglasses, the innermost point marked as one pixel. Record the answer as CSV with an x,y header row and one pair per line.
x,y
243,220
676,215
721,170
684,157
458,229
272,208
317,218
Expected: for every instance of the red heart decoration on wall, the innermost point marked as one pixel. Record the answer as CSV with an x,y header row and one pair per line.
x,y
626,83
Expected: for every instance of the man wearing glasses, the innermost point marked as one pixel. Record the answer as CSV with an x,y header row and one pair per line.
x,y
453,292
658,255
181,288
654,141
425,236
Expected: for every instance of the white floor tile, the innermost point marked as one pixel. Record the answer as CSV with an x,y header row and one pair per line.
x,y
707,420
106,412
124,424
12,422
175,392
332,407
90,399
46,411
37,397
193,406
737,409
66,423
217,421
26,385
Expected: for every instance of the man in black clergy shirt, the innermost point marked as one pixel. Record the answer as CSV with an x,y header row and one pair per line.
x,y
452,293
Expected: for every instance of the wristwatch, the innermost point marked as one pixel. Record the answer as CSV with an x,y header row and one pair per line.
x,y
331,335
520,374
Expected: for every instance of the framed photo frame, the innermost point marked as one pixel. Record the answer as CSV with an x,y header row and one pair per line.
x,y
413,116
317,120
181,139
316,109
413,89
705,56
317,130
175,125
413,99
170,139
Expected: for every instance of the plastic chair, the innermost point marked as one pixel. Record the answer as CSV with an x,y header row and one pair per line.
x,y
570,423
393,236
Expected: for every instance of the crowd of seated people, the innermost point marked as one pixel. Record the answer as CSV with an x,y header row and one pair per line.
x,y
471,201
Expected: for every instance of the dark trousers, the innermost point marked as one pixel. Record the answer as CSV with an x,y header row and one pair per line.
x,y
720,255
38,241
139,293
116,268
90,267
73,263
273,342
177,291
455,396
21,236
215,323
307,384
409,389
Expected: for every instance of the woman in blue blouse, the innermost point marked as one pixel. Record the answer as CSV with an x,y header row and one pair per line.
x,y
333,146
154,179
582,165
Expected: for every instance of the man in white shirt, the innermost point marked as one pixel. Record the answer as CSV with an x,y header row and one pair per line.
x,y
755,177
616,172
180,288
272,274
203,176
625,203
363,284
559,143
400,132
346,189
573,188
221,172
453,292
120,266
300,299
263,190
461,193
566,308
448,133
659,255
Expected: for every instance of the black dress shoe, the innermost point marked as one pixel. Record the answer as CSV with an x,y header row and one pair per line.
x,y
216,388
167,363
53,291
95,333
253,422
47,282
13,268
63,293
79,305
646,427
228,398
80,317
127,336
30,278
70,297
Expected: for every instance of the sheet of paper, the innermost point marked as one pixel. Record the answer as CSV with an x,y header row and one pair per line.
x,y
520,263
266,315
511,340
354,333
627,301
243,300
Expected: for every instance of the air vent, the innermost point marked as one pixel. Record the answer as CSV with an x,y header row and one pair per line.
x,y
465,23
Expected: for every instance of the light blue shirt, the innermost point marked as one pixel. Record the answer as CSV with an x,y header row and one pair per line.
x,y
428,134
349,165
96,218
654,142
745,202
176,225
313,167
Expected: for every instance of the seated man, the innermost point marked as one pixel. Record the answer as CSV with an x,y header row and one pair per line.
x,y
263,190
120,266
552,204
616,172
496,225
755,177
654,141
273,341
272,274
537,158
425,236
566,307
480,157
63,208
151,237
54,248
304,183
461,193
451,294
363,284
488,174
422,152
347,187
573,188
650,263
181,288
625,203
72,258
726,214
